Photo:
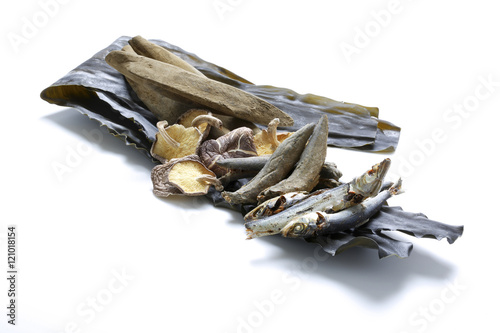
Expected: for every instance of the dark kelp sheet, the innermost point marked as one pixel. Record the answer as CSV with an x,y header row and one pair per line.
x,y
102,93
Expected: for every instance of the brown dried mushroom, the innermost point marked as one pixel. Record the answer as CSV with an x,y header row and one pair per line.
x,y
202,119
177,141
237,143
266,141
183,176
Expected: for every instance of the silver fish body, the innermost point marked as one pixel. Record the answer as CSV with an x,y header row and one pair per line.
x,y
275,205
320,223
330,200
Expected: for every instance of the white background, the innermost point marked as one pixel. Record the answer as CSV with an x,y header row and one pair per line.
x,y
185,265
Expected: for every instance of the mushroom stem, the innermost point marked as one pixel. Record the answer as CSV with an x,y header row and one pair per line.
x,y
272,131
211,180
207,119
162,129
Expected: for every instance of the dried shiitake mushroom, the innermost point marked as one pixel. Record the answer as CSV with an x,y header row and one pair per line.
x,y
177,141
266,141
202,119
183,176
230,123
237,143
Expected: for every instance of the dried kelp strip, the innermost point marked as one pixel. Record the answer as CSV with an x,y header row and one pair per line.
x,y
351,125
414,224
385,245
389,219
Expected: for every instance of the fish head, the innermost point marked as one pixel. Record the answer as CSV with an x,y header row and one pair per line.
x,y
302,226
267,208
369,183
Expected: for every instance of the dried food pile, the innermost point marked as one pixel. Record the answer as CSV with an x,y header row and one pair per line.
x,y
258,149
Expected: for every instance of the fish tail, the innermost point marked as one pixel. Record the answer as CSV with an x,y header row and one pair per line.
x,y
396,188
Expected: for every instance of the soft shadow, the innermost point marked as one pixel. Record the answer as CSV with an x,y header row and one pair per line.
x,y
77,123
359,269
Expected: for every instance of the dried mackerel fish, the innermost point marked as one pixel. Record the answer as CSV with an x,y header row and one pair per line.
x,y
184,86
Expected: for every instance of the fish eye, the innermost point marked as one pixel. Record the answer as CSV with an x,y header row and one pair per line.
x,y
298,227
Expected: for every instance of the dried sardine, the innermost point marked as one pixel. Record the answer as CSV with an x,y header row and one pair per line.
x,y
329,200
321,223
275,205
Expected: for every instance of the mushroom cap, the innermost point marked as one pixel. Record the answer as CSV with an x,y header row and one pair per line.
x,y
264,143
182,176
237,143
187,118
188,139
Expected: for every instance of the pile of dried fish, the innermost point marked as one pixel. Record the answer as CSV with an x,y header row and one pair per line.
x,y
246,147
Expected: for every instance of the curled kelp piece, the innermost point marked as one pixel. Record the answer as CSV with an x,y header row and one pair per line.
x,y
179,84
385,245
279,165
237,143
306,173
415,224
183,176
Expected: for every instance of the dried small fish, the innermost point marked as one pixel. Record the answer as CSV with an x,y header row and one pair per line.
x,y
275,205
306,175
278,166
329,200
321,223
